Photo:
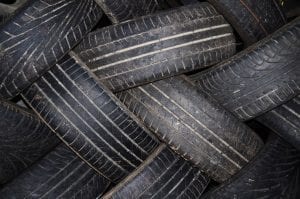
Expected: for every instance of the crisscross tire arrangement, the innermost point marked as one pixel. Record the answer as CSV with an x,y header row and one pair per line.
x,y
131,99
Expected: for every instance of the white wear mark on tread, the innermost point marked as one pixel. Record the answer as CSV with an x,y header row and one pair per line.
x,y
105,115
160,51
160,40
61,181
52,177
162,61
101,125
135,173
201,124
196,133
291,110
81,133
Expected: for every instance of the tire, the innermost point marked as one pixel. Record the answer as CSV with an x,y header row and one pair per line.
x,y
23,140
157,46
60,174
39,35
193,126
284,120
162,175
270,175
122,10
90,119
259,78
8,9
252,19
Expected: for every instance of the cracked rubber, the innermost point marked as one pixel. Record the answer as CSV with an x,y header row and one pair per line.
x,y
23,140
194,126
259,78
252,19
274,173
60,174
284,120
39,35
90,119
157,46
162,175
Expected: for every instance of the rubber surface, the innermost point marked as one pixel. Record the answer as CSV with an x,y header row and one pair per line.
x,y
90,119
194,126
37,36
259,78
23,140
157,46
162,175
274,173
122,10
252,19
60,174
285,121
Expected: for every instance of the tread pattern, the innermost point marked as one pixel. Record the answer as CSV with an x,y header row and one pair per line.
x,y
40,34
193,125
270,175
252,19
122,10
257,79
284,120
23,140
90,119
162,175
60,174
157,46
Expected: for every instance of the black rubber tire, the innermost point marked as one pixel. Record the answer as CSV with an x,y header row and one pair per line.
x,y
259,78
23,140
39,35
60,174
285,121
123,10
157,46
194,126
90,119
252,19
8,9
274,173
162,175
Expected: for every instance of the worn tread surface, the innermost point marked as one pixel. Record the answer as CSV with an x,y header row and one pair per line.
x,y
90,119
285,121
122,10
194,125
157,46
162,175
274,173
252,19
259,78
23,140
60,174
37,36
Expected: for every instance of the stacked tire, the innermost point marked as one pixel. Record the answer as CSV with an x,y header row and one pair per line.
x,y
149,99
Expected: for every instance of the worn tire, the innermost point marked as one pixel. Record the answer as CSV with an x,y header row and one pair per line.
x,y
60,174
162,175
23,140
252,19
259,78
194,126
90,119
122,10
157,46
39,35
284,120
274,173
